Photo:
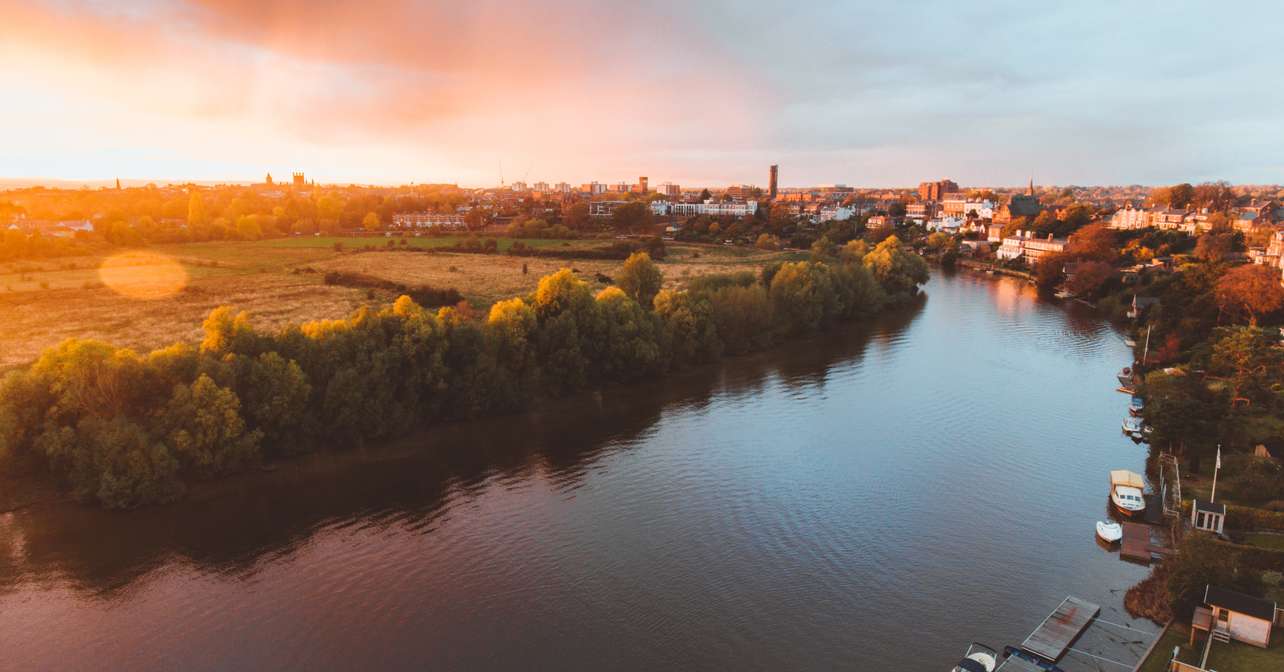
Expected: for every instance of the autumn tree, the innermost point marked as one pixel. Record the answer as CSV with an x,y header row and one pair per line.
x,y
635,216
1251,289
371,222
897,269
576,216
1215,246
1088,277
640,279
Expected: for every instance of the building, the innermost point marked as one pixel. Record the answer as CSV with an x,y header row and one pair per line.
x,y
428,220
299,181
1025,246
935,191
1170,219
670,190
1231,615
1130,218
979,209
946,223
952,204
829,213
878,222
642,187
1208,516
1253,216
605,208
1019,205
772,181
994,233
711,208
541,187
920,212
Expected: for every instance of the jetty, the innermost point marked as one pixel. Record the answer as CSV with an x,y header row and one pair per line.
x,y
1058,631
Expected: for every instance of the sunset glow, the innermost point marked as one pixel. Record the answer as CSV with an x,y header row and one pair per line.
x,y
393,91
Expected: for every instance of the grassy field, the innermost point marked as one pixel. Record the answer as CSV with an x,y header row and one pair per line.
x,y
1161,654
1239,657
161,295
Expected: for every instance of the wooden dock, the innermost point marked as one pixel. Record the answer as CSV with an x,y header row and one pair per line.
x,y
1058,631
1139,545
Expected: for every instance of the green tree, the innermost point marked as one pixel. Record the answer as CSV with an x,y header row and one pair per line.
x,y
898,270
640,278
630,349
635,216
204,429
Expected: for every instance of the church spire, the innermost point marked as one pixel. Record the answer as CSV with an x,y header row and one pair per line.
x,y
1031,191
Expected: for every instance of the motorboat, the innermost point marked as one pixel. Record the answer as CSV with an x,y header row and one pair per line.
x,y
1125,376
1130,342
1136,405
1126,492
979,658
1134,427
1109,532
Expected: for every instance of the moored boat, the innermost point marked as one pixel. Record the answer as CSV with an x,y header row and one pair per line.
x,y
979,658
1133,427
1136,405
1109,532
1125,376
1126,492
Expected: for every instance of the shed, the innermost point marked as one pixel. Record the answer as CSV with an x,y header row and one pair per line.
x,y
1240,617
1208,516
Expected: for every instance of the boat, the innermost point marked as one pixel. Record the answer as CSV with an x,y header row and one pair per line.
x,y
979,658
1130,342
1109,532
1126,492
1132,426
1126,376
1136,405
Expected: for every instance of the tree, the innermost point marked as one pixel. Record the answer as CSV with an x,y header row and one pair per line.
x,y
1095,241
1089,276
898,270
371,222
1250,362
1215,246
577,216
630,348
195,210
1049,272
1250,289
204,429
635,216
640,279
768,242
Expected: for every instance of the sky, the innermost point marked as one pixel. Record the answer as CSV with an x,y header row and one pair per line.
x,y
699,92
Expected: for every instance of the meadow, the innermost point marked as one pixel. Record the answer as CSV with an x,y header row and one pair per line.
x,y
43,302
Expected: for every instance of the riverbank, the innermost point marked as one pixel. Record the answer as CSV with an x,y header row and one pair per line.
x,y
808,506
150,425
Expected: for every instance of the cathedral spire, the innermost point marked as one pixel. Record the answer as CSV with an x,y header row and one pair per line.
x,y
1031,191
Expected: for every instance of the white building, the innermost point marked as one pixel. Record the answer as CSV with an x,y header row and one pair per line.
x,y
1130,218
979,209
829,213
948,224
710,207
1025,246
428,220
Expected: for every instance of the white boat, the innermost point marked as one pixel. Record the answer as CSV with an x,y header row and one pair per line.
x,y
1126,492
1109,532
1132,426
979,658
1136,405
1130,342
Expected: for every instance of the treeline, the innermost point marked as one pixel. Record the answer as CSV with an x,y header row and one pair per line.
x,y
124,429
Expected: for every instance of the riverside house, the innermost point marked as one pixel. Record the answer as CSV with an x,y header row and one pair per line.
x,y
1231,615
1024,245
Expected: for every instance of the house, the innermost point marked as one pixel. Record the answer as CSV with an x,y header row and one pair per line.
x,y
1130,218
1208,516
994,233
879,222
1170,219
1025,246
1231,615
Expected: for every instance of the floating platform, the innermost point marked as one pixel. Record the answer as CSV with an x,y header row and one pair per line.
x,y
1058,631
1139,543
1018,664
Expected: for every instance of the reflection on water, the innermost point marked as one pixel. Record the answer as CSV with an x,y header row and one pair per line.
x,y
888,492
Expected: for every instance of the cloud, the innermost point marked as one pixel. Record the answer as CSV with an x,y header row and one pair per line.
x,y
869,93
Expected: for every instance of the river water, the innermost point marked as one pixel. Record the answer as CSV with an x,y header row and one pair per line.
x,y
872,499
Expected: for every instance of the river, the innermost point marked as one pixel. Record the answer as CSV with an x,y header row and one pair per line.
x,y
874,498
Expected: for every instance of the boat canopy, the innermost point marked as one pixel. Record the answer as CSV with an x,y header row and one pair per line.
x,y
969,665
1128,478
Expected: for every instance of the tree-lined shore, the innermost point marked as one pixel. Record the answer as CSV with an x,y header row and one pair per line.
x,y
122,429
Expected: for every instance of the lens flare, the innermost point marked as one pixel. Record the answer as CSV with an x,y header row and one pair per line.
x,y
143,275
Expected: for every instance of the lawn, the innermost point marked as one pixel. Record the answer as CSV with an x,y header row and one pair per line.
x,y
1161,654
1265,540
1239,657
